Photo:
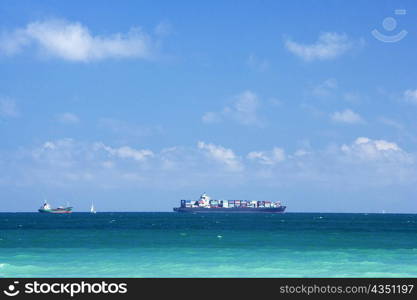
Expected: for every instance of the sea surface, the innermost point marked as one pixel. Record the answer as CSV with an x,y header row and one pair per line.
x,y
208,245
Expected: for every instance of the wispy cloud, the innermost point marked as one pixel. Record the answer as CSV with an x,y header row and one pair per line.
x,y
163,29
8,108
67,162
61,153
411,96
73,41
352,97
257,63
268,158
223,155
211,117
68,118
391,123
126,152
244,110
346,116
329,45
325,88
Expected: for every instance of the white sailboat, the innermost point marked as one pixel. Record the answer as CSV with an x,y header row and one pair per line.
x,y
92,209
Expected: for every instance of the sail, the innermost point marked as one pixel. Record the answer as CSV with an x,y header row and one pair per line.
x,y
92,209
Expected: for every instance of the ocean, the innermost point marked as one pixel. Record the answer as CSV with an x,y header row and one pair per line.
x,y
208,245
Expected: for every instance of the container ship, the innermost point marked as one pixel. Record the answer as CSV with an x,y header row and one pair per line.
x,y
206,205
46,208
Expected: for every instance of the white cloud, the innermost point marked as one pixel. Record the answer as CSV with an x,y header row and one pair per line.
x,y
73,41
8,108
301,152
49,145
60,153
370,150
328,46
411,96
68,118
268,158
126,152
346,116
223,155
66,162
244,110
257,64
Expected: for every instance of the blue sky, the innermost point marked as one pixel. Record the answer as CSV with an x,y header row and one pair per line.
x,y
137,105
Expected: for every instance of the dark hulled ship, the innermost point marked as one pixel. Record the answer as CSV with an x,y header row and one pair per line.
x,y
46,208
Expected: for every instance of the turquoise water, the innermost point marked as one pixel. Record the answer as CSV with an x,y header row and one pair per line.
x,y
218,245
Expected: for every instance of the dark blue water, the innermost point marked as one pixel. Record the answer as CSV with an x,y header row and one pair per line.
x,y
219,245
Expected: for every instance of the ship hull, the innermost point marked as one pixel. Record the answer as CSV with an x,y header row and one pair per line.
x,y
224,210
55,211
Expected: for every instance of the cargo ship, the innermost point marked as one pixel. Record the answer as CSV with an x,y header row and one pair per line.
x,y
207,205
46,208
